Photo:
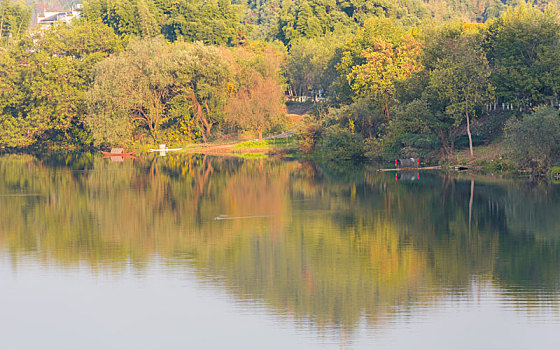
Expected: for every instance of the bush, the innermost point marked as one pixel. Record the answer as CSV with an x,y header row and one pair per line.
x,y
308,135
534,141
407,135
392,146
341,144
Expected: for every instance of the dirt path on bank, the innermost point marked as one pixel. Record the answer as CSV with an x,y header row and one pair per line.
x,y
229,147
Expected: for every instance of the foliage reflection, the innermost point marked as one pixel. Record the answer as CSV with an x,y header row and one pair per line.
x,y
322,244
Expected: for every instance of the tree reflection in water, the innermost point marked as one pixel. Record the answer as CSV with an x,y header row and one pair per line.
x,y
327,245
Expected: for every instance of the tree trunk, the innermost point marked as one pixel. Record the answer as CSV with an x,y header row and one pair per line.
x,y
207,127
452,142
386,106
152,128
19,28
451,137
469,133
443,142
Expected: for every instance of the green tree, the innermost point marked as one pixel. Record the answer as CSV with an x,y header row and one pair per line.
x,y
309,64
15,18
460,80
216,22
384,66
44,80
298,20
135,84
523,47
374,30
136,89
206,80
126,17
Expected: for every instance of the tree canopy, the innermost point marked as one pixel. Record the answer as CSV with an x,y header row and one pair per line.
x,y
15,18
134,88
522,48
44,81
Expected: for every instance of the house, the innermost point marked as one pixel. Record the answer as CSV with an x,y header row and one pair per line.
x,y
46,18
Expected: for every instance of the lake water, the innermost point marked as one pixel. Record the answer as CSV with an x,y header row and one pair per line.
x,y
195,252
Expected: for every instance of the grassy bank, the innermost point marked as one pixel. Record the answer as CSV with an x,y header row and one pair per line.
x,y
240,148
486,158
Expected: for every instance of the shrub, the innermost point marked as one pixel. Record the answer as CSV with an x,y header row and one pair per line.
x,y
534,141
308,135
341,144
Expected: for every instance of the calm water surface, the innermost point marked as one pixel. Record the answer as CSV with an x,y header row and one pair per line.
x,y
194,252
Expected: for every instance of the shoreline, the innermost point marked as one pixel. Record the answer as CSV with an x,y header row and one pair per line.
x,y
488,159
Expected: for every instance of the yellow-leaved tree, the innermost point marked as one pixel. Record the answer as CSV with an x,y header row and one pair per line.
x,y
385,64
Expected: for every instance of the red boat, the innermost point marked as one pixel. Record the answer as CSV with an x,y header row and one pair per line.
x,y
118,154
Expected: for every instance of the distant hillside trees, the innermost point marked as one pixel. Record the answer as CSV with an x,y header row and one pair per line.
x,y
126,17
15,18
216,22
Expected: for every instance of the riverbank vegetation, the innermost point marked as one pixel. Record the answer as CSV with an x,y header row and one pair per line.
x,y
413,79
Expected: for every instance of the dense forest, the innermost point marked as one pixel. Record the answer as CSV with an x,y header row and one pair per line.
x,y
382,79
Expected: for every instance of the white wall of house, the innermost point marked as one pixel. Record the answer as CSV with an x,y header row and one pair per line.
x,y
48,18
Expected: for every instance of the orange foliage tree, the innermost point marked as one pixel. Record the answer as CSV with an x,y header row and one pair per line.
x,y
257,101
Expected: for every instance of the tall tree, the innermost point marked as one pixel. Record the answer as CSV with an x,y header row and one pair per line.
x,y
133,85
126,17
385,64
374,30
216,22
206,78
460,80
309,64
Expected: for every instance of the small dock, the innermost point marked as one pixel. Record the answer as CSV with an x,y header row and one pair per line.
x,y
438,167
409,164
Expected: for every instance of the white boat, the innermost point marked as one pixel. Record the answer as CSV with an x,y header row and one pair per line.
x,y
163,148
